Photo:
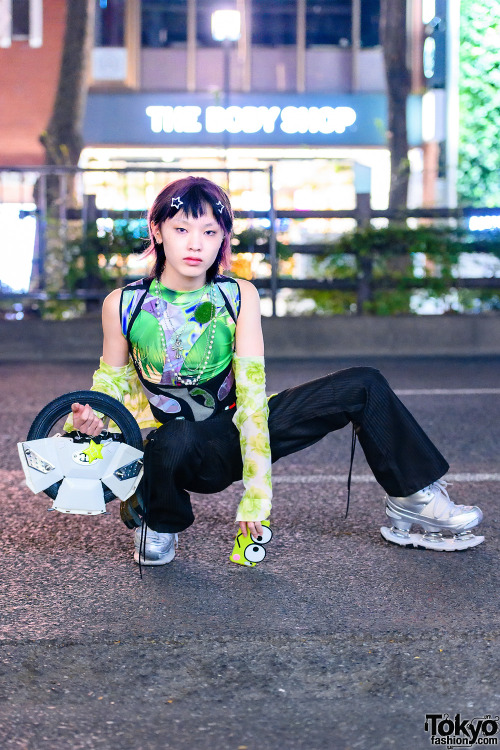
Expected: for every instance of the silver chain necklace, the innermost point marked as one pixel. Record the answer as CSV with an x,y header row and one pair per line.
x,y
176,346
176,334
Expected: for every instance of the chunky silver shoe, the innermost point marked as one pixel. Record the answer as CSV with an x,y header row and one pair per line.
x,y
432,509
157,548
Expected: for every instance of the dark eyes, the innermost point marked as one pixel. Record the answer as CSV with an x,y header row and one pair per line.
x,y
210,232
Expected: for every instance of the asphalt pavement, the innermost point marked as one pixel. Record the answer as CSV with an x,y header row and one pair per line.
x,y
337,640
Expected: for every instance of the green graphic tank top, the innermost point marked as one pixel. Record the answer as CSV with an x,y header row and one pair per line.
x,y
150,323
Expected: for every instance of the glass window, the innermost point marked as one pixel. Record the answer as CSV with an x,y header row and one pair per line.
x,y
274,23
20,18
109,23
328,22
370,14
164,22
204,10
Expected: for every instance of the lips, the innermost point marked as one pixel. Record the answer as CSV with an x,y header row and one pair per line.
x,y
192,260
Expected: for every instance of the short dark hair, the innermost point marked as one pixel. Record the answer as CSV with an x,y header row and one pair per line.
x,y
195,193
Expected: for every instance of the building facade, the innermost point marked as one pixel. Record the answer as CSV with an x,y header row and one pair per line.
x,y
31,39
303,89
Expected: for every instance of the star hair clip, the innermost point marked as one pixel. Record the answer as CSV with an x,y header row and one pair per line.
x,y
220,206
176,202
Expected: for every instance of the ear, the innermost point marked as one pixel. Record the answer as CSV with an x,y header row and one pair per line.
x,y
155,231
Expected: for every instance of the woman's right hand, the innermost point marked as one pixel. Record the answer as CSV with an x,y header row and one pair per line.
x,y
84,420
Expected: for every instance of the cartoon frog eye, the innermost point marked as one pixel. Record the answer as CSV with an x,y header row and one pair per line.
x,y
263,538
255,553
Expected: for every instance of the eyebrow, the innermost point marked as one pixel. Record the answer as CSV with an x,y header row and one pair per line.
x,y
209,223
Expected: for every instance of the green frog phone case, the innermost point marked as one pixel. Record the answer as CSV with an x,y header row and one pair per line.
x,y
250,549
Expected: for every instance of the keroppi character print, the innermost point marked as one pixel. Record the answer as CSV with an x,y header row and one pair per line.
x,y
249,550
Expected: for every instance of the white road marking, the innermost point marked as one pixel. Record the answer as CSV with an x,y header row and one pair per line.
x,y
365,478
447,391
466,478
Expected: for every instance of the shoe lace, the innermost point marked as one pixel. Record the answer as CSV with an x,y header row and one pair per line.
x,y
439,488
155,536
142,545
353,448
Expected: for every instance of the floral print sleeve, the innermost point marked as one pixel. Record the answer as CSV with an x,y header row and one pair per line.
x,y
123,384
251,417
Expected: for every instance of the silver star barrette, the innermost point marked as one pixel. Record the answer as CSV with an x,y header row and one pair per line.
x,y
220,206
176,202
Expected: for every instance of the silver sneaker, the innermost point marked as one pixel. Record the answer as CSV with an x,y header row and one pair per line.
x,y
157,549
432,509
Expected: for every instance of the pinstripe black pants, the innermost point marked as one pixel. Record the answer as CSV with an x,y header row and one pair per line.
x,y
183,456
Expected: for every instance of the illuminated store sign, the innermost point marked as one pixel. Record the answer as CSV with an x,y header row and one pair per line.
x,y
250,119
279,119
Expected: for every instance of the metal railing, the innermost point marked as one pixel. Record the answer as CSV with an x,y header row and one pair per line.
x,y
363,284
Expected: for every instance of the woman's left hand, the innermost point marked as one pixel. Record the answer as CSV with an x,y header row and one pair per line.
x,y
254,527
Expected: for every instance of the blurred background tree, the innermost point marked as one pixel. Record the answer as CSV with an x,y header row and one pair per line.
x,y
479,158
62,139
393,24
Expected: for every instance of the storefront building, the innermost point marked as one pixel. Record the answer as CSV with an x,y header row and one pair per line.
x,y
302,89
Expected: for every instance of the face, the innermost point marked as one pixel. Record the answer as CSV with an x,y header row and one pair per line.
x,y
191,246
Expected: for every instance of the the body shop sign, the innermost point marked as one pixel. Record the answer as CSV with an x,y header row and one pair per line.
x,y
246,120
250,119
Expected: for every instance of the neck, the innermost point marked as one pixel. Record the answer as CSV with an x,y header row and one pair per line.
x,y
182,284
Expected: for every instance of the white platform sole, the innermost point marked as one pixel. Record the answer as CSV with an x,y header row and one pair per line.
x,y
443,544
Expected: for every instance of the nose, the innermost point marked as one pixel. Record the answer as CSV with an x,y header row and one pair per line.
x,y
195,241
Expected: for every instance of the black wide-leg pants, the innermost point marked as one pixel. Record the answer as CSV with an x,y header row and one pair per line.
x,y
183,456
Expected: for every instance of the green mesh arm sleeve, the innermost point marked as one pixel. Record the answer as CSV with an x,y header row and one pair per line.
x,y
251,417
123,384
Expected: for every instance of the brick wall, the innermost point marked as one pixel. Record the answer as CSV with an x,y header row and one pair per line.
x,y
28,80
